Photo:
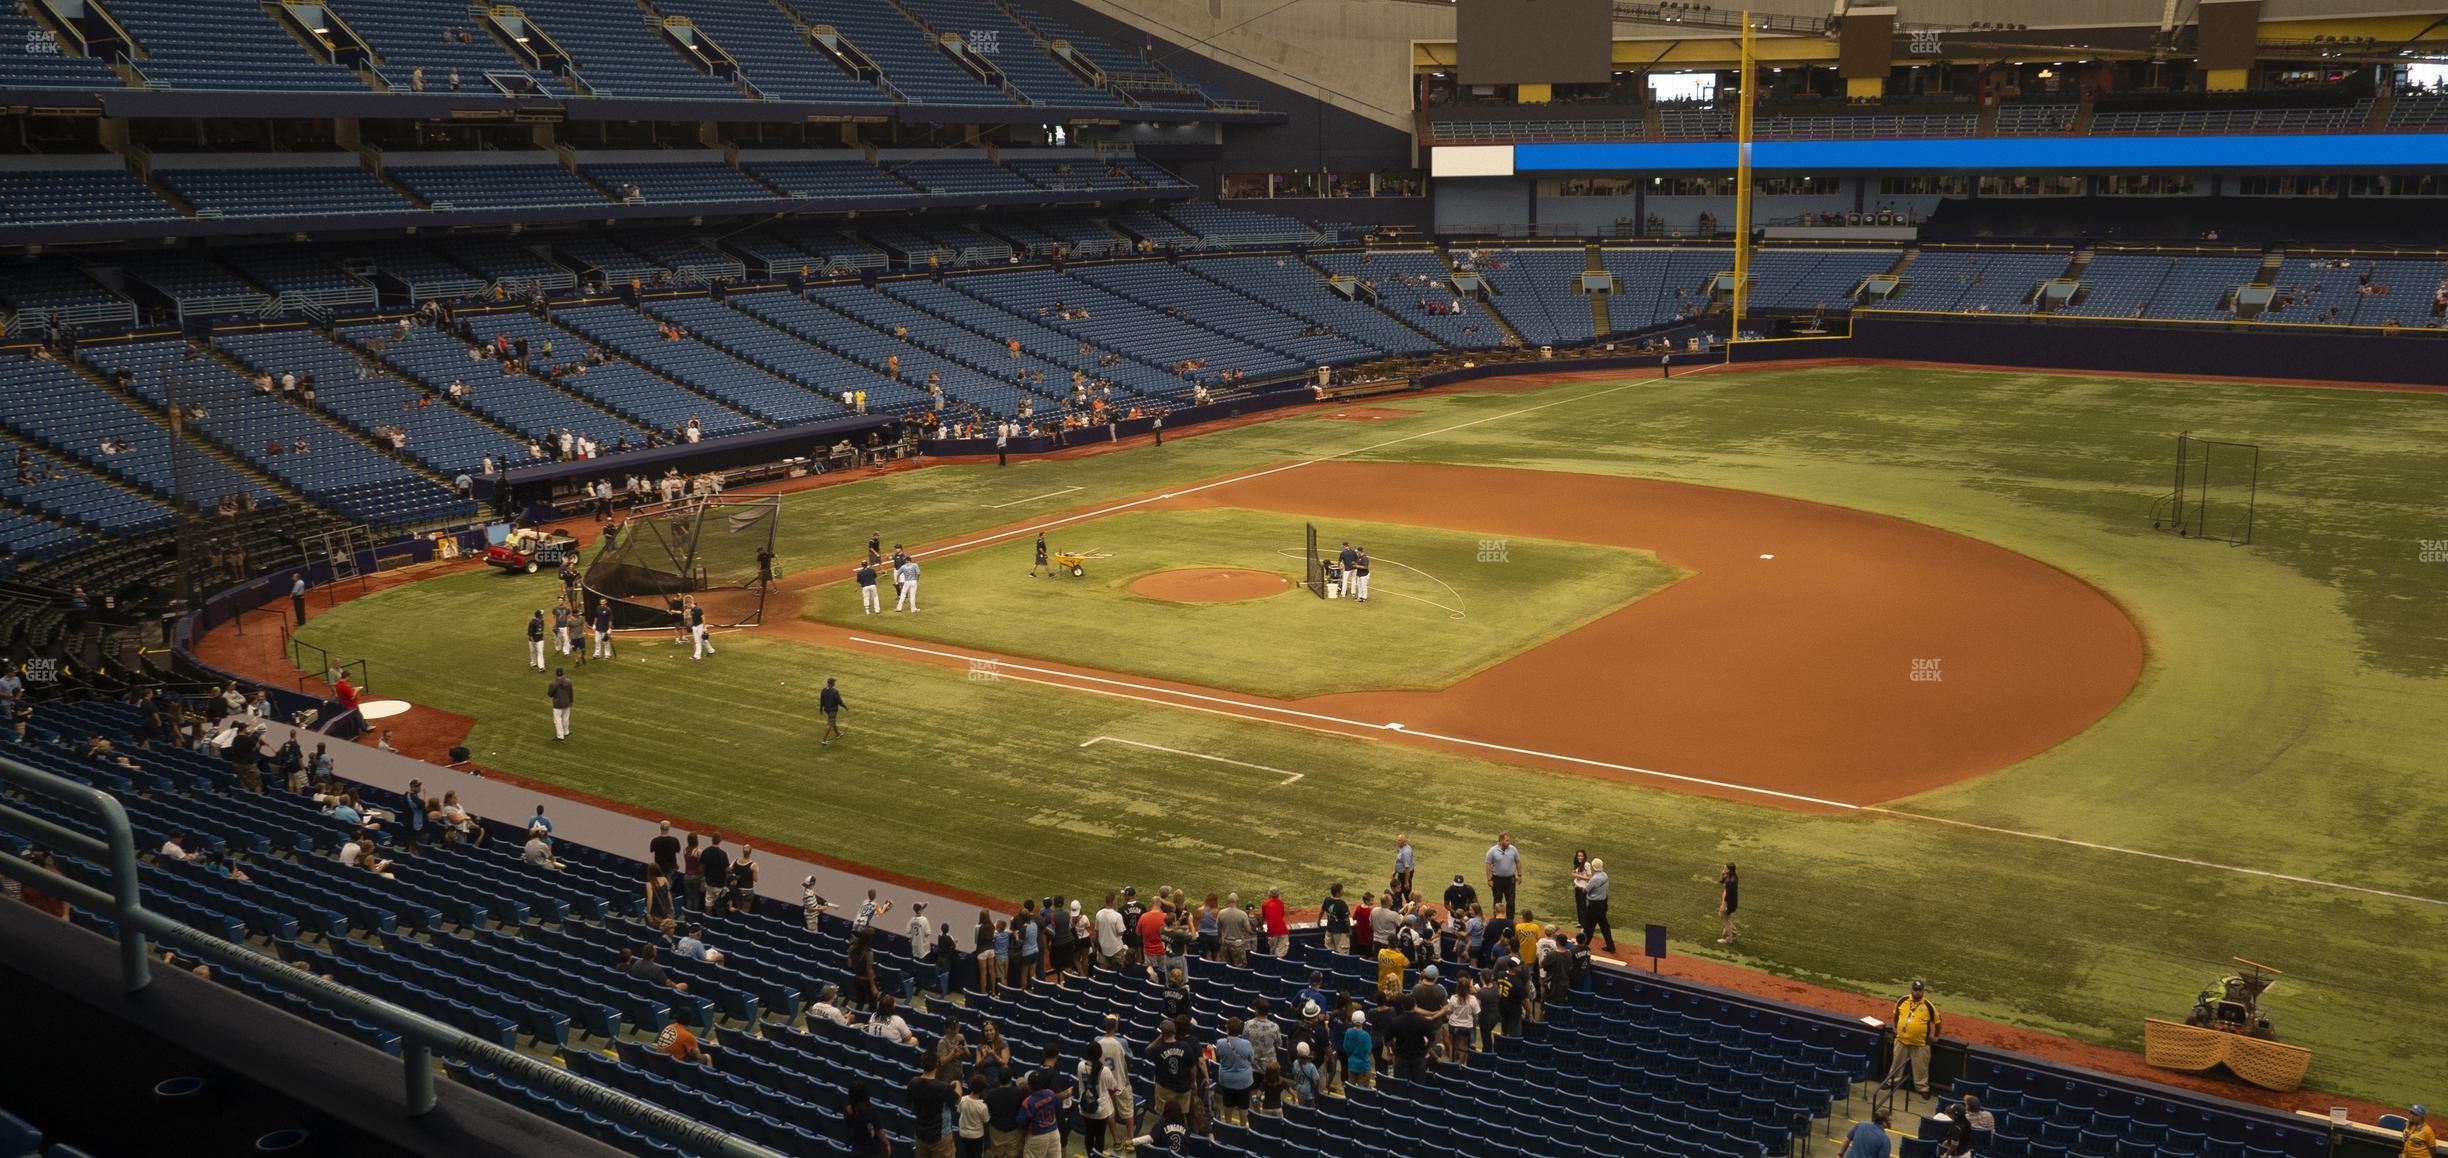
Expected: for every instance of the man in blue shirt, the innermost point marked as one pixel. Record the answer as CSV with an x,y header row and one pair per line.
x,y
1868,1139
1404,863
1236,1066
907,574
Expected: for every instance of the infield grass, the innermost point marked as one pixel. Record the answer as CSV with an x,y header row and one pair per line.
x,y
1438,611
2291,716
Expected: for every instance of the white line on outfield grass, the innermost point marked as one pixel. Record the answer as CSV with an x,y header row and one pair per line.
x,y
1117,508
1034,498
1292,717
2186,860
1289,777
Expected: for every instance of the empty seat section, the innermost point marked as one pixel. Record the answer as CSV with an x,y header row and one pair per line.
x,y
961,176
538,185
369,397
1037,339
741,329
1405,281
1538,290
283,191
224,44
997,37
912,65
845,179
51,404
1174,290
678,181
699,366
618,50
777,58
36,59
75,196
617,385
407,35
334,469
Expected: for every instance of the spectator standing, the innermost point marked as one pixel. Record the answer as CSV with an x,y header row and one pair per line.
x,y
562,696
970,1139
1176,1063
2419,1140
1112,950
664,850
1728,900
1335,914
1503,872
1278,924
297,597
1405,863
1004,1120
1113,1054
934,1105
1916,1026
859,1125
922,942
1414,1034
1236,1073
1233,932
1098,1091
1594,910
1580,884
1359,1053
713,871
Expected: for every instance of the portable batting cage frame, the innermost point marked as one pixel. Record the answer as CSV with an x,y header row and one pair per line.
x,y
2218,484
702,547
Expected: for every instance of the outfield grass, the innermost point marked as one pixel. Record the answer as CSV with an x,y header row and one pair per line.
x,y
1408,637
2289,718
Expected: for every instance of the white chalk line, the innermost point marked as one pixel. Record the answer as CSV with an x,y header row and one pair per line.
x,y
1272,714
1130,504
2170,857
1289,777
1034,498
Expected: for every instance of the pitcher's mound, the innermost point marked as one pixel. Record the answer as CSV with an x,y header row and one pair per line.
x,y
1209,585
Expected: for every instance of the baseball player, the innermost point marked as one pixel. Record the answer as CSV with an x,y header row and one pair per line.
x,y
603,630
560,625
535,640
906,576
697,629
870,601
1359,573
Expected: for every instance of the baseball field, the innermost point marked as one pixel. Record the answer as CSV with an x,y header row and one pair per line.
x,y
1899,641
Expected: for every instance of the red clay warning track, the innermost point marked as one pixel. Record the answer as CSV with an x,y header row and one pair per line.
x,y
1210,585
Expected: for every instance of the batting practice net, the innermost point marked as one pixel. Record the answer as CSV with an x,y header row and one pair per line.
x,y
702,547
1314,576
2217,485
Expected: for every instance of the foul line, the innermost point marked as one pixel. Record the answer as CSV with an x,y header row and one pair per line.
x,y
1289,777
1128,504
2184,860
1034,498
1332,725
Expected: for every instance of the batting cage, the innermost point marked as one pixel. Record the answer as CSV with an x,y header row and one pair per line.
x,y
705,548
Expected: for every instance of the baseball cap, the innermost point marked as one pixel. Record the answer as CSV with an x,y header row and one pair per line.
x,y
1129,891
919,907
1457,878
1916,986
1359,1018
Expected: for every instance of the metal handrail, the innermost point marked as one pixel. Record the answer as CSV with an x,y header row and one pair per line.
x,y
421,1038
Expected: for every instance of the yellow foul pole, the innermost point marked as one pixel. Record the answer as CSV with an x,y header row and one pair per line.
x,y
1745,95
